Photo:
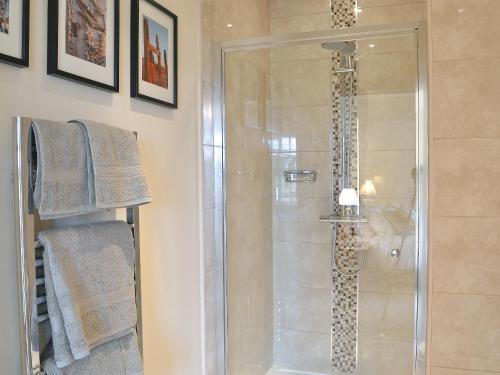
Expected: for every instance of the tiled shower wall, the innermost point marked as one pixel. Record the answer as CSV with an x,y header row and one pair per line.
x,y
224,20
301,118
465,193
465,301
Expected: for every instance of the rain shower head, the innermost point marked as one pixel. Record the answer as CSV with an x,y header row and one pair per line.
x,y
344,47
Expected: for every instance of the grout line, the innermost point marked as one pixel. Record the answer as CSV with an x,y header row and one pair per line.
x,y
479,58
467,294
467,217
467,370
466,138
299,15
393,5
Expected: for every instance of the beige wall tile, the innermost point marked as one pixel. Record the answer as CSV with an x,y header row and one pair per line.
x,y
257,18
297,24
308,82
383,107
466,97
379,46
387,122
465,332
467,255
208,177
260,308
465,29
228,12
391,172
303,351
300,52
208,118
467,172
392,14
286,8
449,371
392,73
378,3
302,265
383,280
207,38
374,354
311,127
301,128
386,316
305,309
298,220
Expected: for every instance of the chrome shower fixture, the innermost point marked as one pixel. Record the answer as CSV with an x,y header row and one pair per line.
x,y
346,49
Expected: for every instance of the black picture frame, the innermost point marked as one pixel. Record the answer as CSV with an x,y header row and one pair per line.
x,y
24,60
52,50
134,55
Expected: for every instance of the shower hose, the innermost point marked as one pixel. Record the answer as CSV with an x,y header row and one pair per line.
x,y
334,253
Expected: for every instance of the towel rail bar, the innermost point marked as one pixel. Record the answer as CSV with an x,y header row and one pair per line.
x,y
30,281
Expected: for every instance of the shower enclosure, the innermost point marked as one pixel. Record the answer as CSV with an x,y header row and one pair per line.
x,y
325,173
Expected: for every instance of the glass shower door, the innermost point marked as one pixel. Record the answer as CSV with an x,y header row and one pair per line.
x,y
303,123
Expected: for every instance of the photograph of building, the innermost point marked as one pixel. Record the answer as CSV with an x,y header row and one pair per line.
x,y
154,60
4,16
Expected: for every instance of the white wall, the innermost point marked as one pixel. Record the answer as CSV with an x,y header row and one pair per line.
x,y
169,141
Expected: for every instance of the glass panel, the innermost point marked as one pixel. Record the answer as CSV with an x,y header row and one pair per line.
x,y
308,125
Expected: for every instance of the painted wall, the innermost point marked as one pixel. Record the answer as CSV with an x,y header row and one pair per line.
x,y
465,193
169,142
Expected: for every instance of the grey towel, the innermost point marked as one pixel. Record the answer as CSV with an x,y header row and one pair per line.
x,y
117,357
115,169
89,279
62,180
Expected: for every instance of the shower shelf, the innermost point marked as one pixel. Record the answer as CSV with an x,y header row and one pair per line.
x,y
343,219
300,176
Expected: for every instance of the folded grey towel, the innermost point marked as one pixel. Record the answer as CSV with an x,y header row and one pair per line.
x,y
116,171
117,357
62,180
89,280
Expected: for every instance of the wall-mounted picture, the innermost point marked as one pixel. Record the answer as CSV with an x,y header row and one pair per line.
x,y
14,32
153,53
83,43
4,16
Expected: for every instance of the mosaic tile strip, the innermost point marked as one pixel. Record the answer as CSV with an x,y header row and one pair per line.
x,y
345,289
343,13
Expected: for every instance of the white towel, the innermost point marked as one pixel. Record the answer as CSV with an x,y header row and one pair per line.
x,y
89,279
117,357
61,187
115,169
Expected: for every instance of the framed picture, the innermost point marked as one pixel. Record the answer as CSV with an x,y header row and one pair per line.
x,y
153,50
14,32
83,42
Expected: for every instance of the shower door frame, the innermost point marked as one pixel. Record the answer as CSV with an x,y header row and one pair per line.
x,y
419,29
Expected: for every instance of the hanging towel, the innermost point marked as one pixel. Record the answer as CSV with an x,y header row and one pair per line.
x,y
117,357
89,280
115,169
61,187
